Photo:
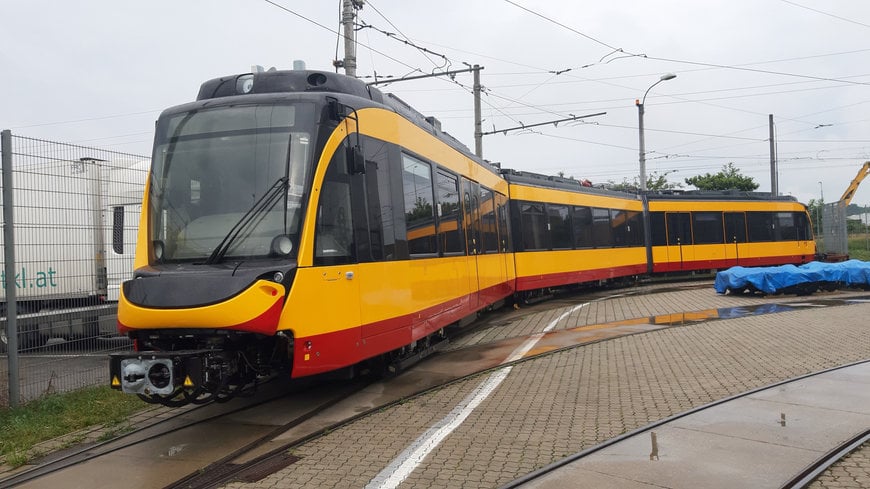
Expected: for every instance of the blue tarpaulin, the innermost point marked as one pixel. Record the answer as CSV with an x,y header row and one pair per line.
x,y
804,279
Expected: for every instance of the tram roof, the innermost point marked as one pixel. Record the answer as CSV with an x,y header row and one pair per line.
x,y
716,195
308,81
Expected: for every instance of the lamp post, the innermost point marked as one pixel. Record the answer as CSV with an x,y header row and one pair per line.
x,y
820,207
666,76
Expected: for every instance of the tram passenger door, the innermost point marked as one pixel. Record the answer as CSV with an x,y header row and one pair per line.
x,y
680,250
491,269
334,292
471,210
735,236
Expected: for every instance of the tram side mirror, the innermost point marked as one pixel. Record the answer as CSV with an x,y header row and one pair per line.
x,y
356,162
334,109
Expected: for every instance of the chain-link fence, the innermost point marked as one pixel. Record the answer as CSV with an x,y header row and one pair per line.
x,y
835,237
70,220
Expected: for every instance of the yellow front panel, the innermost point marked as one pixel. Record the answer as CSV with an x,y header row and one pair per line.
x,y
143,238
242,308
322,300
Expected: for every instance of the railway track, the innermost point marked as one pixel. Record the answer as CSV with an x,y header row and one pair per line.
x,y
802,479
196,416
814,470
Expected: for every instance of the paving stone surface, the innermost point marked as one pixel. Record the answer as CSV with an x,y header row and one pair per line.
x,y
561,403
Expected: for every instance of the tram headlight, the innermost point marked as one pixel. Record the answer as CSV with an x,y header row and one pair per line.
x,y
282,245
158,247
244,84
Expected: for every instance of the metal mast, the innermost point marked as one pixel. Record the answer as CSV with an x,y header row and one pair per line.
x,y
348,14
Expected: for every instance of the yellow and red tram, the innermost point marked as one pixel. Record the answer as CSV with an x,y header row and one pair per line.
x,y
703,231
301,222
566,234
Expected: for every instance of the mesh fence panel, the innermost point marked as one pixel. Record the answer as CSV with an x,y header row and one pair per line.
x,y
75,219
836,240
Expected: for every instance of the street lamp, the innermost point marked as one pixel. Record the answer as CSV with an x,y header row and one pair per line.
x,y
666,76
819,209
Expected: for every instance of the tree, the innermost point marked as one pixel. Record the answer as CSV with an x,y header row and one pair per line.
x,y
727,179
654,181
816,210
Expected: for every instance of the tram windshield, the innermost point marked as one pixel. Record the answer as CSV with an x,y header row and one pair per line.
x,y
229,182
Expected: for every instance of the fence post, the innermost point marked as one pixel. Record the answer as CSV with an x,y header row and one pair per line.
x,y
9,258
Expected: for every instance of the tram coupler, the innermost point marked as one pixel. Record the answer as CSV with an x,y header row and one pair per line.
x,y
159,373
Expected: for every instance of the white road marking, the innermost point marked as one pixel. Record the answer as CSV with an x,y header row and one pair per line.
x,y
401,467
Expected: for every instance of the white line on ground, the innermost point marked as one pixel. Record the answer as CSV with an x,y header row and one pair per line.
x,y
401,467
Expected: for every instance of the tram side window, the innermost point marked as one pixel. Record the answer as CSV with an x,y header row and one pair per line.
x,y
419,211
602,237
450,232
658,234
382,235
802,226
471,204
679,228
627,227
707,228
735,227
784,227
634,230
488,225
333,237
582,221
560,226
760,226
504,239
534,226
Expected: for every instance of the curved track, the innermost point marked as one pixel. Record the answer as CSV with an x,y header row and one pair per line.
x,y
808,475
551,473
193,417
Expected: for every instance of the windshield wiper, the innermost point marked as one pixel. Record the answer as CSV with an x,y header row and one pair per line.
x,y
263,204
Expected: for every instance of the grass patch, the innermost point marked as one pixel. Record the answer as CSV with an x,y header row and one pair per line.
x,y
60,414
858,247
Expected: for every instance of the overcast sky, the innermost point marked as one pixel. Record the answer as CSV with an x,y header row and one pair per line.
x,y
98,73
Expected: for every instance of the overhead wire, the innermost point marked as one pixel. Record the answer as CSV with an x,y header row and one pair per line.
x,y
618,50
614,50
587,36
425,54
708,65
851,21
328,29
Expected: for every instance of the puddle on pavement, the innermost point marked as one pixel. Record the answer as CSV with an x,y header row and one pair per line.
x,y
568,337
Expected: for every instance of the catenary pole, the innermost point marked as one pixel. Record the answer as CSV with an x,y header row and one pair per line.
x,y
478,133
774,185
348,13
